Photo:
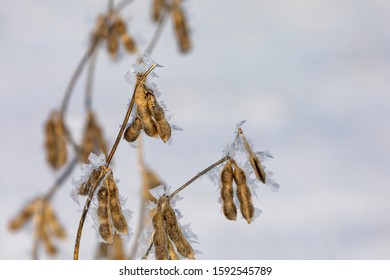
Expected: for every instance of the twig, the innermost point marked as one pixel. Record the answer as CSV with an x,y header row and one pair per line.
x,y
145,256
199,175
158,32
90,76
121,5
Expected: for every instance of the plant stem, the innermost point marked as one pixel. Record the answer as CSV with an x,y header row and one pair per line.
x,y
199,175
140,81
90,76
158,32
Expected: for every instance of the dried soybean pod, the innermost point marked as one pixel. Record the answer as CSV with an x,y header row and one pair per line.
x,y
104,213
112,42
181,28
143,112
256,165
55,141
243,194
163,127
51,221
26,213
119,25
171,251
129,43
174,232
47,243
253,159
132,132
158,6
118,220
160,239
229,209
151,180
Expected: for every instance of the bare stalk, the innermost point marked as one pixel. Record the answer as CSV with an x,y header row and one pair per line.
x,y
199,175
90,76
158,32
140,81
141,219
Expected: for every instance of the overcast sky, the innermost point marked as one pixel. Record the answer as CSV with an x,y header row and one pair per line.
x,y
310,77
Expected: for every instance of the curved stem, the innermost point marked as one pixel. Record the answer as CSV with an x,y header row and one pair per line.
x,y
90,76
199,175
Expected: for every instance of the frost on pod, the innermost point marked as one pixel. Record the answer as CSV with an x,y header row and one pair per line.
x,y
107,210
149,114
245,178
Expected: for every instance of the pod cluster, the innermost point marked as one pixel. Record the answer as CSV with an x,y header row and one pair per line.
x,y
150,117
112,29
179,20
109,210
55,140
93,140
45,221
168,239
232,172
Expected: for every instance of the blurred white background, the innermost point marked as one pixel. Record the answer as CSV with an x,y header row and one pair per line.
x,y
310,77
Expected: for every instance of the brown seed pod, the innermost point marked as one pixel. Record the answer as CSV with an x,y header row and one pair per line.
x,y
94,179
112,42
228,206
163,127
118,253
26,214
181,28
51,221
118,220
129,43
160,238
104,213
93,140
132,132
143,112
158,6
47,243
101,29
119,26
243,193
253,159
56,140
175,233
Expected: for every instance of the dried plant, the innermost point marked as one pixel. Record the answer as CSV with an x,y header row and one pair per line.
x,y
146,113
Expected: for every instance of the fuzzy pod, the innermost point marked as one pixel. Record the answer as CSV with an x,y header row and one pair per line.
x,y
228,206
51,220
118,220
160,239
174,232
56,141
25,215
148,123
112,42
163,127
93,140
143,111
129,43
181,28
104,213
157,8
243,194
119,26
256,165
47,243
133,130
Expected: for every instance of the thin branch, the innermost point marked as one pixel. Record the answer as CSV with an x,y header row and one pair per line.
x,y
158,32
199,175
121,5
90,76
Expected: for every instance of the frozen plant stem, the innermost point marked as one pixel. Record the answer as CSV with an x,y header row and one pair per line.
x,y
158,32
199,175
140,80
